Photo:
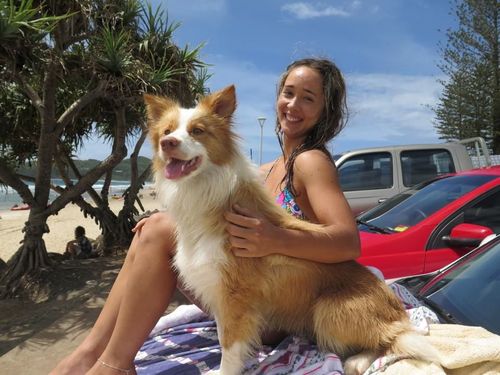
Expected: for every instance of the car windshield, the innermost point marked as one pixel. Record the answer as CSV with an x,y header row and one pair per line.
x,y
407,209
469,290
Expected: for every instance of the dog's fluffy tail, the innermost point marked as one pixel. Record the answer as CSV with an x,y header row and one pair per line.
x,y
407,344
415,345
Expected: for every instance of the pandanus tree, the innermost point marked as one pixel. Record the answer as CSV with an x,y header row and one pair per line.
x,y
70,69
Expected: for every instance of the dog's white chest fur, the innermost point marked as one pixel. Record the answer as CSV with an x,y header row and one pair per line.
x,y
197,206
199,265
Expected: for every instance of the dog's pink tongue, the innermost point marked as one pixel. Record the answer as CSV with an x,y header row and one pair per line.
x,y
174,169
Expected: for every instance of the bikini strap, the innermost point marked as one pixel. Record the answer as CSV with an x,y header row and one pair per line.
x,y
271,169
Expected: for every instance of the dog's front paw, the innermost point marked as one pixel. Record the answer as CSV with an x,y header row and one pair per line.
x,y
359,363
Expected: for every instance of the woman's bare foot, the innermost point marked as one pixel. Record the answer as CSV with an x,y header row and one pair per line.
x,y
77,363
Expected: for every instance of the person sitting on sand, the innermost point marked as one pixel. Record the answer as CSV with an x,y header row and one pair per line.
x,y
80,247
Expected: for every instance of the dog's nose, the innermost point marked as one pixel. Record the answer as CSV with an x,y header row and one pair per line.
x,y
169,143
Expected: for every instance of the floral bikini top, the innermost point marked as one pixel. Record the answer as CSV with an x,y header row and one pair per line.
x,y
287,201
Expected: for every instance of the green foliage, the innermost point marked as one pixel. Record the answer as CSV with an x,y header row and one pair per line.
x,y
127,44
470,103
155,27
15,20
16,117
69,70
116,54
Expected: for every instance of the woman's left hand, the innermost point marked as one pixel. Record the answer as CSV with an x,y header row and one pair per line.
x,y
250,234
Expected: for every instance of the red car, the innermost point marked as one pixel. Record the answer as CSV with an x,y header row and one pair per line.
x,y
431,224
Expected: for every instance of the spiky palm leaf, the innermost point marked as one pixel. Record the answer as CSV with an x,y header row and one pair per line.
x,y
17,19
155,28
115,51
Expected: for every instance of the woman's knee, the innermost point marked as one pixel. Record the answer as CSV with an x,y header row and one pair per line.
x,y
157,232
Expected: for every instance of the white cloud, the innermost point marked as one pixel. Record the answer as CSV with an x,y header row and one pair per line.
x,y
307,11
391,109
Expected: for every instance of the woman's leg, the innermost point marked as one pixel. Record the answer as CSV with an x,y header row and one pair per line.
x,y
139,296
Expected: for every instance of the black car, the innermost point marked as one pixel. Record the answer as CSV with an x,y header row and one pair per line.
x,y
465,292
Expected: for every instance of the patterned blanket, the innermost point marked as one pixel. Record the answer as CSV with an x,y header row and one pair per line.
x,y
186,343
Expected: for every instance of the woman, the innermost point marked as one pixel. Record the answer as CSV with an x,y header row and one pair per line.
x,y
311,110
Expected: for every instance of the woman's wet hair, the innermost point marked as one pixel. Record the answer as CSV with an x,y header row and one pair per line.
x,y
332,120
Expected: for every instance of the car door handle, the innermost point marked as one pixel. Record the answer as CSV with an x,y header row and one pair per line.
x,y
382,200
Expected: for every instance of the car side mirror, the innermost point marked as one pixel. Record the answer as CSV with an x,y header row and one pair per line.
x,y
466,235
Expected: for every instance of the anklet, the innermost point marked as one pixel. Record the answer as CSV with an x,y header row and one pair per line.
x,y
122,370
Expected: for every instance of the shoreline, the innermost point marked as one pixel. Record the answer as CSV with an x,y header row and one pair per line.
x,y
61,226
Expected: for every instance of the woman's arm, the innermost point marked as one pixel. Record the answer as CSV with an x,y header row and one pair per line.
x,y
321,199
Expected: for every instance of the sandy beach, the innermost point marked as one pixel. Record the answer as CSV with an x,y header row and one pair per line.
x,y
62,225
34,337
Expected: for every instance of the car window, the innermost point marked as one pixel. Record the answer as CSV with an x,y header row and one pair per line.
x,y
414,205
469,291
422,165
484,211
366,172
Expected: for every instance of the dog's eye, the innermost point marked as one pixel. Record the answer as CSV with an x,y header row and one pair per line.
x,y
197,131
166,131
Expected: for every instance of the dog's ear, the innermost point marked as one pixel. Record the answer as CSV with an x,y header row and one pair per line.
x,y
156,106
222,102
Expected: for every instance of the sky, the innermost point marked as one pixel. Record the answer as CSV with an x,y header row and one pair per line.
x,y
388,51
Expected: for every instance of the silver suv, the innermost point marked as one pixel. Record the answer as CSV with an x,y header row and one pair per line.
x,y
370,176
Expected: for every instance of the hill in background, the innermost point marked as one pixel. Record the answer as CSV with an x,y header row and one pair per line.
x,y
120,173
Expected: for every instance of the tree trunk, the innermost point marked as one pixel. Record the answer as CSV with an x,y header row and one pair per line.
x,y
110,230
126,220
496,124
32,256
29,259
495,63
113,234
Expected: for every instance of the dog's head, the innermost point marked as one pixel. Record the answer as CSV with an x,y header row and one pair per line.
x,y
186,140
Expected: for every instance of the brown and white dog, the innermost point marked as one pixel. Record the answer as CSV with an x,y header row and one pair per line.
x,y
200,174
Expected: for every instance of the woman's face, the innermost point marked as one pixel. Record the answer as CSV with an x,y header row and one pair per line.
x,y
301,102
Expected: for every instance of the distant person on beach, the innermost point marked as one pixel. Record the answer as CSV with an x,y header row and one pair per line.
x,y
80,247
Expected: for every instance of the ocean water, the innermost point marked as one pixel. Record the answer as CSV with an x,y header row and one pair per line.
x,y
9,197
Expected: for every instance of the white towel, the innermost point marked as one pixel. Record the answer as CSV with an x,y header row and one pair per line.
x,y
463,350
181,315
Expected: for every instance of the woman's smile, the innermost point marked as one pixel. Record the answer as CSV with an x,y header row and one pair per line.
x,y
291,118
301,102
